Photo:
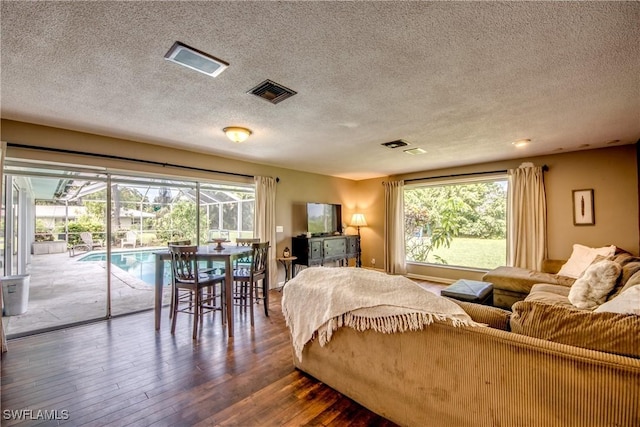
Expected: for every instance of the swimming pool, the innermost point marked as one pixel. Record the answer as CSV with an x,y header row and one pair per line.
x,y
140,264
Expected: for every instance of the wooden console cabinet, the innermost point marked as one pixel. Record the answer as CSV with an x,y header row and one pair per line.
x,y
312,251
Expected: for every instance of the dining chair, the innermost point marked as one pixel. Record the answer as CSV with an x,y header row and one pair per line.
x,y
249,279
240,288
183,295
247,241
186,277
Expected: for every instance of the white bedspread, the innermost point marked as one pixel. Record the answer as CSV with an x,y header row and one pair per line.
x,y
319,300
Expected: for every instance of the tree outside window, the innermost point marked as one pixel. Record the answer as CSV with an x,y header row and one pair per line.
x,y
461,224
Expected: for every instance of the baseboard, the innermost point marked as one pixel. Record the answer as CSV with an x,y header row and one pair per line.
x,y
430,278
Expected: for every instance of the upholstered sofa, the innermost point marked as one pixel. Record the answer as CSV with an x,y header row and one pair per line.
x,y
512,284
544,363
487,376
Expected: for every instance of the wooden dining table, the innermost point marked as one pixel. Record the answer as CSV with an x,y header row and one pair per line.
x,y
205,253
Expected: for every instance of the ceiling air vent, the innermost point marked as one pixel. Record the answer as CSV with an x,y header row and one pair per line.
x,y
272,91
395,144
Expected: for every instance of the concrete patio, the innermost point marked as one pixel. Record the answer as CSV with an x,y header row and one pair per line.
x,y
65,290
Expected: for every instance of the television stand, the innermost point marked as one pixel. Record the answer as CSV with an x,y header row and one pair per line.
x,y
319,250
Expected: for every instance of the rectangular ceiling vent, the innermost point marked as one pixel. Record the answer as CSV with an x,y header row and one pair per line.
x,y
395,144
272,91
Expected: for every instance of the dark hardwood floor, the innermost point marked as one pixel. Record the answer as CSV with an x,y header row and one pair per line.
x,y
121,372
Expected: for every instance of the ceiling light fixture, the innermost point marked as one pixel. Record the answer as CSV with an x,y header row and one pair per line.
x,y
521,142
195,59
415,151
237,134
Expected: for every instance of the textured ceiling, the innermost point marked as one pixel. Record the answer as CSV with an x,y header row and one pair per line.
x,y
462,80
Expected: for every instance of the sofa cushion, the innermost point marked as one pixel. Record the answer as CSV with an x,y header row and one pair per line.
x,y
628,302
552,265
581,257
550,294
494,317
608,332
521,279
633,281
592,288
630,267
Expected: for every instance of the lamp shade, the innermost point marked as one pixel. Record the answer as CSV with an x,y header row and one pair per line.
x,y
358,220
237,134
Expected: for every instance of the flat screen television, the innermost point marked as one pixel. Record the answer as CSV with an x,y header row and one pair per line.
x,y
324,218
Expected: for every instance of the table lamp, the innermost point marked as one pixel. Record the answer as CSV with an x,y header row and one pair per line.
x,y
358,220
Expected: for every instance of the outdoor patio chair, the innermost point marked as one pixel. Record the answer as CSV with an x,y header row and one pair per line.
x,y
129,240
91,244
87,243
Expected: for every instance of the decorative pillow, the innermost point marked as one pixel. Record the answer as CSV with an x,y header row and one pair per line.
x,y
632,281
629,276
592,288
581,258
628,302
609,332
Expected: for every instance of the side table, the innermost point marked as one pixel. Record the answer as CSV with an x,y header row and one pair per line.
x,y
289,270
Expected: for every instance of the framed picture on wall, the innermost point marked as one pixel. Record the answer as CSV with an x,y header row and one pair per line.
x,y
583,208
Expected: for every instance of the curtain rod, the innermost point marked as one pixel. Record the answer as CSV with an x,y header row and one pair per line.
x,y
112,157
545,168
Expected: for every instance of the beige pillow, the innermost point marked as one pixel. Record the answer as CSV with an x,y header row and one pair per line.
x,y
628,302
581,257
591,289
608,332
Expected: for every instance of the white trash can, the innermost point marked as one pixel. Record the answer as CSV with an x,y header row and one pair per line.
x,y
15,294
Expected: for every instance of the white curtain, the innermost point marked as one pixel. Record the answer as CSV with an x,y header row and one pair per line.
x,y
3,338
264,222
526,217
394,245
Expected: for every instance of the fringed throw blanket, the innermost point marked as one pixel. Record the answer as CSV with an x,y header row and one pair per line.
x,y
319,300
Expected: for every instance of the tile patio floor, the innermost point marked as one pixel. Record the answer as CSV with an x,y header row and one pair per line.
x,y
64,290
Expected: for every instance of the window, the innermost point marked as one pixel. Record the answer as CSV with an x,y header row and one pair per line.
x,y
457,223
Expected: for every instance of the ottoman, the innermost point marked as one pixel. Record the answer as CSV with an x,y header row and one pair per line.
x,y
470,291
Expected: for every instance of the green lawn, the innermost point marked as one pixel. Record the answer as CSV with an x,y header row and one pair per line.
x,y
478,253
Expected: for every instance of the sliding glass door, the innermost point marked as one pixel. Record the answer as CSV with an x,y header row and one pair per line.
x,y
46,232
147,214
87,237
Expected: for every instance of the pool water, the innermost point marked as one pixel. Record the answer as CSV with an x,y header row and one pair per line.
x,y
140,264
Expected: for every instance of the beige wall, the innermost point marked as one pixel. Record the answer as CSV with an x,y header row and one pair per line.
x,y
294,189
611,172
